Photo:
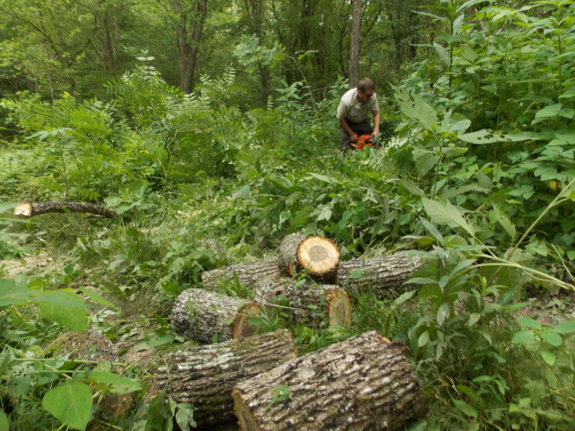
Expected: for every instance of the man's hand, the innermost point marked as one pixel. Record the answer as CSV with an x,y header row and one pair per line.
x,y
353,137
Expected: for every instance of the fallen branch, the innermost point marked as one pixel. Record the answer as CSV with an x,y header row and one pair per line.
x,y
29,209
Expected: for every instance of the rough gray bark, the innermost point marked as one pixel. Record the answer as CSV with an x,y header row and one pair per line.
x,y
364,383
355,44
201,314
205,376
312,305
377,275
319,256
29,209
247,273
287,253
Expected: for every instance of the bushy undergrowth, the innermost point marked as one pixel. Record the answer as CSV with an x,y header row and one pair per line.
x,y
477,181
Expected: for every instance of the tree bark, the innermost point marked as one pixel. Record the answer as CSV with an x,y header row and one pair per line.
x,y
364,383
205,376
377,275
287,253
203,315
312,305
355,45
319,256
247,273
29,209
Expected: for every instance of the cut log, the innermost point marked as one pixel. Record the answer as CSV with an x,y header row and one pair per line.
x,y
28,209
205,376
288,252
314,305
200,314
320,257
247,273
364,383
377,275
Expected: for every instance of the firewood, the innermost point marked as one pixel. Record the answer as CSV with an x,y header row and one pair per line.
x,y
314,305
377,275
319,256
200,315
364,383
29,209
247,273
287,253
205,376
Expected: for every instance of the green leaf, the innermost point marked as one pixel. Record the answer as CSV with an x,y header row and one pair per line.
x,y
550,336
529,323
122,385
97,298
565,327
484,181
442,313
465,408
505,222
490,137
65,308
549,357
4,421
448,214
70,403
522,337
411,187
13,293
423,339
7,206
185,417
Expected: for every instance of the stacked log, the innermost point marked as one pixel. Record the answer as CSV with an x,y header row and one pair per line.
x,y
319,256
205,376
288,252
364,383
314,305
31,209
246,273
376,275
206,316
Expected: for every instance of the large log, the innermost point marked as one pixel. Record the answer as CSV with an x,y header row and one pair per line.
x,y
29,209
287,253
205,376
319,256
364,383
247,273
314,305
377,275
203,316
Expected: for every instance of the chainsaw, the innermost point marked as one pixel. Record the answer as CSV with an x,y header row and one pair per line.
x,y
364,141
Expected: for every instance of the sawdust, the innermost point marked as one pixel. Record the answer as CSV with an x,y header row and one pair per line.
x,y
39,262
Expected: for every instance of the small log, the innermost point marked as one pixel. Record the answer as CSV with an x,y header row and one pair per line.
x,y
364,383
200,315
287,253
377,275
320,257
205,376
314,305
29,209
247,273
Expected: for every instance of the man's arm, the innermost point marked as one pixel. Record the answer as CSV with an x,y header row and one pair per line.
x,y
351,133
376,120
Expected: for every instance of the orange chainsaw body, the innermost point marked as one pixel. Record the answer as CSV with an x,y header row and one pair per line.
x,y
362,142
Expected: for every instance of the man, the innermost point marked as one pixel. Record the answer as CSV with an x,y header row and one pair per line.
x,y
353,113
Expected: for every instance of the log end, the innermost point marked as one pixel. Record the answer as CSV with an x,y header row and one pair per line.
x,y
23,210
319,255
240,327
339,309
246,418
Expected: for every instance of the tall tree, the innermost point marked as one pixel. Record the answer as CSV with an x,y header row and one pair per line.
x,y
355,45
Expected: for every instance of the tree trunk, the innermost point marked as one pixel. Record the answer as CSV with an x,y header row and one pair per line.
x,y
377,275
207,316
319,256
364,383
287,253
205,376
355,45
312,305
189,45
247,273
28,209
